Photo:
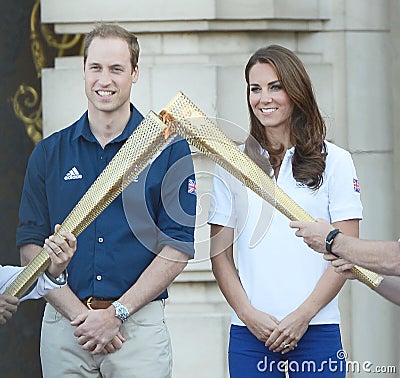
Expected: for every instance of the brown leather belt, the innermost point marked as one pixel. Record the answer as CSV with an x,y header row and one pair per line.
x,y
98,303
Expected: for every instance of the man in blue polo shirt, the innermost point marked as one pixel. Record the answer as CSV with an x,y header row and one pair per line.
x,y
109,320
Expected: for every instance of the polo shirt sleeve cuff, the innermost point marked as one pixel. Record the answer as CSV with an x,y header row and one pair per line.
x,y
351,212
222,220
186,247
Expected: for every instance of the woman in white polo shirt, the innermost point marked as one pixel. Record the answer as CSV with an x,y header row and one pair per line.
x,y
60,251
284,296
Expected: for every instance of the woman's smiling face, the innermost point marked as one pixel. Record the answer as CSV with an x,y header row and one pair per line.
x,y
268,100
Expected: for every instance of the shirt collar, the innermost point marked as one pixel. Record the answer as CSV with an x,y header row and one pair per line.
x,y
82,128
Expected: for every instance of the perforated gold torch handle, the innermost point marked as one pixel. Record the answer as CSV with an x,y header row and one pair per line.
x,y
148,139
191,123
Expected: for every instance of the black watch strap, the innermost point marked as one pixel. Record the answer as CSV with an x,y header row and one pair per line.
x,y
329,240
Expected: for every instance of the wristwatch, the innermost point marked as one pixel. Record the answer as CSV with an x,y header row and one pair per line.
x,y
60,280
121,312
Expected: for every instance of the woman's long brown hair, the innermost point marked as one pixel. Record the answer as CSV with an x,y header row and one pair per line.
x,y
307,127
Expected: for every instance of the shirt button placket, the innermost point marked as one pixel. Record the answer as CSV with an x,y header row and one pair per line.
x,y
100,241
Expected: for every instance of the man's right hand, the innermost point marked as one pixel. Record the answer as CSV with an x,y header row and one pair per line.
x,y
60,249
8,306
313,233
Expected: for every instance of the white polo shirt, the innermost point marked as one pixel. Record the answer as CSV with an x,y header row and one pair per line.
x,y
277,269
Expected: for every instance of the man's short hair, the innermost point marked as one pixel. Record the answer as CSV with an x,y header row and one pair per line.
x,y
103,30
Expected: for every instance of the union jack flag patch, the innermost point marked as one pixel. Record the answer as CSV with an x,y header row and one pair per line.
x,y
191,187
356,185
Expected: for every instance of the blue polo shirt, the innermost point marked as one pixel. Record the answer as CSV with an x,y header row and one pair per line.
x,y
157,209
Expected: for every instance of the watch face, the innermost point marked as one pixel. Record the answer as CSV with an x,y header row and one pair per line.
x,y
121,312
62,279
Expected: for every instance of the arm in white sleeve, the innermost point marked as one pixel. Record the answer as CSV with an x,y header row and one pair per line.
x,y
43,285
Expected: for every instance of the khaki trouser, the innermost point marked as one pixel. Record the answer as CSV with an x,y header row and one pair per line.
x,y
146,353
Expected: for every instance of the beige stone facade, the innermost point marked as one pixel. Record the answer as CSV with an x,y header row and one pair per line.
x,y
351,49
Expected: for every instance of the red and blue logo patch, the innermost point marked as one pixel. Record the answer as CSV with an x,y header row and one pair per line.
x,y
356,185
192,187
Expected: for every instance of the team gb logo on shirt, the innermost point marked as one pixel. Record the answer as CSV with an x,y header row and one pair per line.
x,y
191,186
356,185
